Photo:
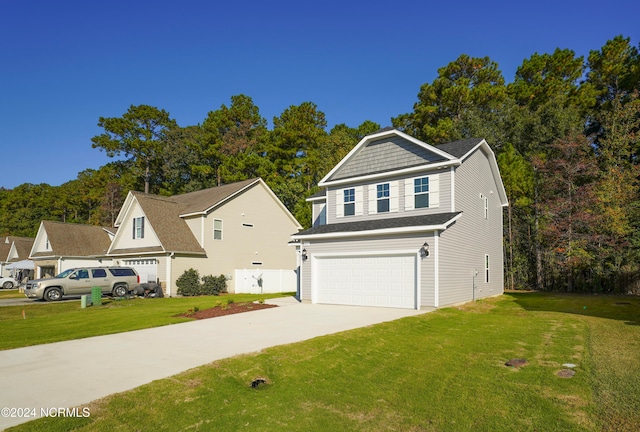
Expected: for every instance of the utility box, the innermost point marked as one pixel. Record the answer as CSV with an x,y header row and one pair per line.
x,y
85,301
96,296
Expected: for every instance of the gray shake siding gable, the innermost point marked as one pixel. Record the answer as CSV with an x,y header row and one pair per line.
x,y
386,155
449,252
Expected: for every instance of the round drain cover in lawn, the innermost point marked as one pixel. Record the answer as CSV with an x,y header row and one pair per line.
x,y
517,362
566,373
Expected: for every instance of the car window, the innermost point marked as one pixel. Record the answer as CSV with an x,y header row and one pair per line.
x,y
82,274
65,273
122,272
99,273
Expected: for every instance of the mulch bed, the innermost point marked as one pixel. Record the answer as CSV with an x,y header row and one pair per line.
x,y
229,309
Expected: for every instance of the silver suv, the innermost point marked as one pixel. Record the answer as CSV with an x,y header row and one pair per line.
x,y
115,281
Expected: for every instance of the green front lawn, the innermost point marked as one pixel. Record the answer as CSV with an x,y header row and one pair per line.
x,y
12,293
55,322
442,371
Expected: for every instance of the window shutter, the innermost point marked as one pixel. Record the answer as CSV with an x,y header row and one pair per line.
x,y
133,236
358,197
339,203
409,202
434,190
373,207
393,196
142,227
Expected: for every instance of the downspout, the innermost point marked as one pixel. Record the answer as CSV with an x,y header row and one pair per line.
x,y
436,269
168,274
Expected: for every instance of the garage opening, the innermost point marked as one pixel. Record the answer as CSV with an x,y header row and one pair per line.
x,y
376,280
146,268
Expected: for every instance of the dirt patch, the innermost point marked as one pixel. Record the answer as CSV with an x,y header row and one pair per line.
x,y
566,373
517,362
229,309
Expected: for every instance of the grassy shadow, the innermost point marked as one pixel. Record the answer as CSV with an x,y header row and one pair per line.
x,y
616,307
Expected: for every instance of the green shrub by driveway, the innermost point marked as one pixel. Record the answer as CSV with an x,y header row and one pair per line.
x,y
442,371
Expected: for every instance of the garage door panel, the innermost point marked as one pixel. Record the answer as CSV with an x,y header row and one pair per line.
x,y
386,281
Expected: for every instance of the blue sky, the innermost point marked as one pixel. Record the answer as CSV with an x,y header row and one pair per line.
x,y
64,64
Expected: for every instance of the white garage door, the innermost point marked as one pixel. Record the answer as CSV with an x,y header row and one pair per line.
x,y
388,281
147,269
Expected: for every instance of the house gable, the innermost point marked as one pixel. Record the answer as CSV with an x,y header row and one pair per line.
x,y
145,221
60,239
389,151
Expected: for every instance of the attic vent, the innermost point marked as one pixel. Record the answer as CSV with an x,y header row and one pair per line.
x,y
248,225
256,263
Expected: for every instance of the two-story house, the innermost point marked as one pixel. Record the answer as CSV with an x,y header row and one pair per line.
x,y
401,223
239,230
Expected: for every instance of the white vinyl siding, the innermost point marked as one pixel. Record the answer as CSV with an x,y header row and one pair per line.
x,y
433,191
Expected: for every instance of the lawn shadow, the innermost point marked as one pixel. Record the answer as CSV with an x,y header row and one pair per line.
x,y
617,307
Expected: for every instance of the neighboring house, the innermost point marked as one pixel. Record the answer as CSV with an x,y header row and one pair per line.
x,y
401,223
4,253
12,250
240,230
59,246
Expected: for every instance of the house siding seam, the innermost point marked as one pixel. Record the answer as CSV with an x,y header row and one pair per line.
x,y
458,264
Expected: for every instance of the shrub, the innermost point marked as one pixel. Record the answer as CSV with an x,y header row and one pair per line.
x,y
214,285
189,284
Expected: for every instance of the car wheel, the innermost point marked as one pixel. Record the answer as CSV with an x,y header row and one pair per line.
x,y
7,285
119,291
53,294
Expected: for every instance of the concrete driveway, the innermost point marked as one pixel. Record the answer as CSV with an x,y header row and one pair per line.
x,y
74,373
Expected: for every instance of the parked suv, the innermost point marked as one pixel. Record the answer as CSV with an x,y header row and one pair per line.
x,y
115,281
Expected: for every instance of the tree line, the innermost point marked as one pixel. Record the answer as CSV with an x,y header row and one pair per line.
x,y
565,132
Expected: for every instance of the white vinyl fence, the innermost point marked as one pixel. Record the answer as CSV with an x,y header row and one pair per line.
x,y
256,281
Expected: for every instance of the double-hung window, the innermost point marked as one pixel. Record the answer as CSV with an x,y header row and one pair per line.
x,y
217,229
382,197
421,192
349,202
138,227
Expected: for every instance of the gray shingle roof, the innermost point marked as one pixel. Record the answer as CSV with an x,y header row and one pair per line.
x,y
461,147
379,224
